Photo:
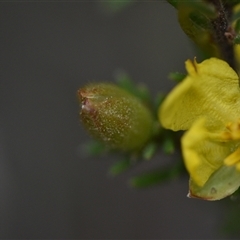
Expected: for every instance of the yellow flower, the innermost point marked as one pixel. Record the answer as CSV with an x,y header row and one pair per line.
x,y
207,104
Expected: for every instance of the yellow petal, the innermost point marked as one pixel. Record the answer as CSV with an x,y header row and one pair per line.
x,y
232,131
204,151
210,90
212,160
233,158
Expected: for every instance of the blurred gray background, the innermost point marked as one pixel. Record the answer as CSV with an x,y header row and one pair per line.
x,y
49,189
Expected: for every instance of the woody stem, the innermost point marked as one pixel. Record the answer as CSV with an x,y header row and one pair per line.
x,y
220,27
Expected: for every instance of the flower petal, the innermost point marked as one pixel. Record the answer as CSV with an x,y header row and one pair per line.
x,y
211,177
210,90
204,151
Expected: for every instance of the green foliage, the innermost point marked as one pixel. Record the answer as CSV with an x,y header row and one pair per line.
x,y
200,20
237,26
140,90
237,30
232,2
235,16
203,7
149,150
173,2
195,20
237,39
168,145
176,76
95,148
158,176
120,166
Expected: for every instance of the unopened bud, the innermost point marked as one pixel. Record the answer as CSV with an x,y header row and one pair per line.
x,y
115,116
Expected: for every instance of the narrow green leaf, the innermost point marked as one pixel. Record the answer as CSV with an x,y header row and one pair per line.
x,y
231,2
149,151
173,3
235,16
237,39
95,148
157,176
176,76
237,26
196,25
200,20
204,8
168,145
126,83
120,167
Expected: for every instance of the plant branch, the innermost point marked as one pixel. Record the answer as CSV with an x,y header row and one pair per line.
x,y
222,31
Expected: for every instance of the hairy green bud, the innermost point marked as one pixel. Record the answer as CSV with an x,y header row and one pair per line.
x,y
115,116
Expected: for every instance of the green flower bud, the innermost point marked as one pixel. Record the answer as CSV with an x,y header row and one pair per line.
x,y
115,116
